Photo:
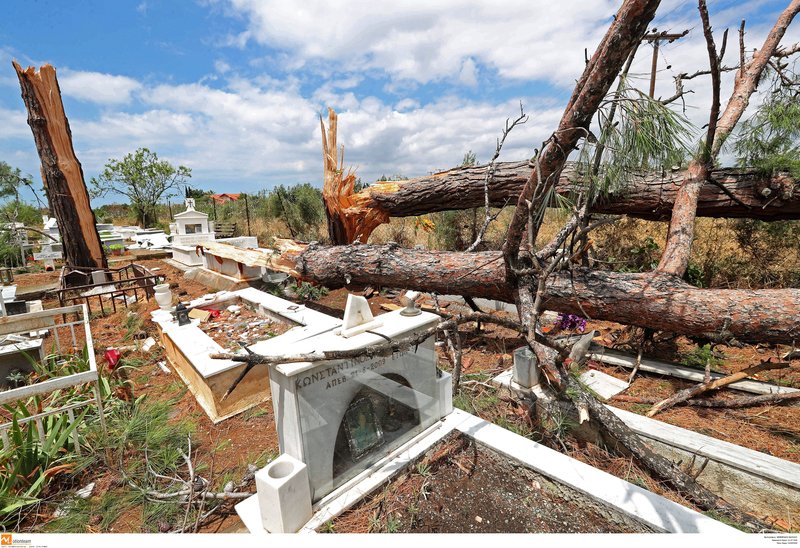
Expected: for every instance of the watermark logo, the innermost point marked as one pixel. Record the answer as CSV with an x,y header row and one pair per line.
x,y
5,539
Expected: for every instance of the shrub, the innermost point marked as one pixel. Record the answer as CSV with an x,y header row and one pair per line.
x,y
307,292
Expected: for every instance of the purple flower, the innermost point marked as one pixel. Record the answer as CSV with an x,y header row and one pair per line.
x,y
571,322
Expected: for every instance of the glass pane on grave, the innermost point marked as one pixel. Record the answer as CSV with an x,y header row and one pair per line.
x,y
354,413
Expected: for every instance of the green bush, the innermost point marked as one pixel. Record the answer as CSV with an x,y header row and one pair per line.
x,y
299,206
307,292
26,463
700,356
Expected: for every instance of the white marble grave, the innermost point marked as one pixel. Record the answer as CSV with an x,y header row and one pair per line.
x,y
338,417
190,228
229,268
341,416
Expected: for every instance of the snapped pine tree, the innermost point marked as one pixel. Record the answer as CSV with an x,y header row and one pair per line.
x,y
61,171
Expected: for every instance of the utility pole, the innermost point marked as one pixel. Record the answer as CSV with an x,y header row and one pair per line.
x,y
656,38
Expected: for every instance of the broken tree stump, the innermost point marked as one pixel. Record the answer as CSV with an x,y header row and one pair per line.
x,y
348,222
62,173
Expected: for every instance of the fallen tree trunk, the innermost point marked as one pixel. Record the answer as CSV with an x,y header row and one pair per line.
x,y
656,301
647,195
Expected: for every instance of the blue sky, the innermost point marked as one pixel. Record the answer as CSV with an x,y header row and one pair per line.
x,y
233,88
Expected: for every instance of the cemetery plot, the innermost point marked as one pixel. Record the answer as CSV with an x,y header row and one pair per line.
x,y
45,352
263,317
461,486
238,325
106,287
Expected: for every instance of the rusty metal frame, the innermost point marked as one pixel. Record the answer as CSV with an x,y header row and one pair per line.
x,y
127,281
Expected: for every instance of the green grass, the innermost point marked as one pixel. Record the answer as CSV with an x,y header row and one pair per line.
x,y
474,404
423,470
640,408
176,389
156,513
726,520
82,512
784,382
133,324
265,457
699,357
137,433
515,426
480,377
255,412
393,523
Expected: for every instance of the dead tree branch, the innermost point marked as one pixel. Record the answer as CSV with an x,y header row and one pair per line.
x,y
747,78
708,386
488,217
193,491
750,401
373,351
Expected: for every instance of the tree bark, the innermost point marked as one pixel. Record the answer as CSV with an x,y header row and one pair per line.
x,y
61,171
656,301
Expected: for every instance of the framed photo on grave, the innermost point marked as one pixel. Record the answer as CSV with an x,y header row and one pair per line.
x,y
362,427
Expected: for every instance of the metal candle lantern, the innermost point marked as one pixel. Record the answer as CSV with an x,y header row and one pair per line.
x,y
182,314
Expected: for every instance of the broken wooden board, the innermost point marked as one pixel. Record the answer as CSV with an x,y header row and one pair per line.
x,y
247,257
217,280
200,314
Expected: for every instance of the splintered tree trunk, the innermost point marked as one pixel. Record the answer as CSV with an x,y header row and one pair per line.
x,y
61,171
655,301
346,223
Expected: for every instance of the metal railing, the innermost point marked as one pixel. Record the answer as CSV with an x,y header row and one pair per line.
x,y
77,285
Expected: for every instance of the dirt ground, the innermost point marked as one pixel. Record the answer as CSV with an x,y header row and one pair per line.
x,y
35,280
772,429
460,486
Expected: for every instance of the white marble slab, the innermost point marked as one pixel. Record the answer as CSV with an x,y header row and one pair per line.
x,y
603,384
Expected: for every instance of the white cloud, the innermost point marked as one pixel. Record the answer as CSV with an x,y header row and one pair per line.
x,y
252,135
221,66
469,73
427,41
97,87
14,123
239,133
